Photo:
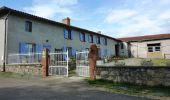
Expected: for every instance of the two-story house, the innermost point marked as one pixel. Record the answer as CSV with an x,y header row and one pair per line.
x,y
21,32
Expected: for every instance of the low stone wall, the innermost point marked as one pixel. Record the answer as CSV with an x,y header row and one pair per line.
x,y
31,69
139,75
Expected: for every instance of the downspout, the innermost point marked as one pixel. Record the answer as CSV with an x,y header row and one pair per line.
x,y
5,42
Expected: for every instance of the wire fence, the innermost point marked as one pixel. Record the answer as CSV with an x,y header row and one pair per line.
x,y
31,58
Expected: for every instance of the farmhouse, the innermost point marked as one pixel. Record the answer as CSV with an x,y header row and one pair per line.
x,y
149,46
25,33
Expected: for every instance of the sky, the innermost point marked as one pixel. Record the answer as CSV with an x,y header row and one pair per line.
x,y
115,18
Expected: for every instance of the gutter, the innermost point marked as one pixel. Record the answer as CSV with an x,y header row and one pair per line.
x,y
5,42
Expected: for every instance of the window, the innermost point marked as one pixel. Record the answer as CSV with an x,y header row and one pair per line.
x,y
28,26
98,39
154,47
105,41
122,46
67,34
91,38
29,48
157,49
150,49
82,37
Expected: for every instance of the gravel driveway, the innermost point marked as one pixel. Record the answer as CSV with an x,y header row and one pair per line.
x,y
54,89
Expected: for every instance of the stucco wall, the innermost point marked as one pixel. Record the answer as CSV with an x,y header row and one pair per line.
x,y
42,31
139,49
2,35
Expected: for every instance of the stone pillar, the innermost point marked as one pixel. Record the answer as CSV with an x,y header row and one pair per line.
x,y
45,63
93,55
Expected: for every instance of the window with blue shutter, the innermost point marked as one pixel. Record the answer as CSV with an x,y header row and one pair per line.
x,y
98,39
68,34
65,33
90,38
22,47
82,37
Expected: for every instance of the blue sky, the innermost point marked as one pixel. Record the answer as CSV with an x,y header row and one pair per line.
x,y
116,18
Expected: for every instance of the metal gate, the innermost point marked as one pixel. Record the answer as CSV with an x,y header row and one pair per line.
x,y
58,63
82,64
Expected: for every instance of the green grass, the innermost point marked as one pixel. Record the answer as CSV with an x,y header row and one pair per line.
x,y
132,89
160,62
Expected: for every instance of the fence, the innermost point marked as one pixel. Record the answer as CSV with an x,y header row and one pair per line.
x,y
31,58
58,63
82,64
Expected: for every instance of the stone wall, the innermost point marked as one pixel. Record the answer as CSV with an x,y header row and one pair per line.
x,y
32,69
139,75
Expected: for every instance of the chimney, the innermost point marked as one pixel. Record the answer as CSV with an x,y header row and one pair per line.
x,y
99,32
66,21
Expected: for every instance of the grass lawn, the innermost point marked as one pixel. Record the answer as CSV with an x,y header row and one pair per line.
x,y
160,62
132,89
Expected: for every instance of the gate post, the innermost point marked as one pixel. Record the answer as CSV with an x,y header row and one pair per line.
x,y
45,62
93,55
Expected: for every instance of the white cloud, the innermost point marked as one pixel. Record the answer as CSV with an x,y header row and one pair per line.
x,y
50,8
119,15
152,19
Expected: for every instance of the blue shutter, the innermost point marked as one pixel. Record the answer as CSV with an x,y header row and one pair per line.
x,y
73,52
65,33
65,50
38,48
21,47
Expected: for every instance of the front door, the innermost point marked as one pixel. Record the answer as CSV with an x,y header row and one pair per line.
x,y
117,50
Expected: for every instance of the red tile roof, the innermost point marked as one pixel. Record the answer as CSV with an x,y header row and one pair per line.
x,y
146,37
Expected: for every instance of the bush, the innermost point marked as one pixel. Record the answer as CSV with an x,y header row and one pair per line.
x,y
146,63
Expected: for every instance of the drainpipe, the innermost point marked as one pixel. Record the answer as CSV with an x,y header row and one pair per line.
x,y
5,42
